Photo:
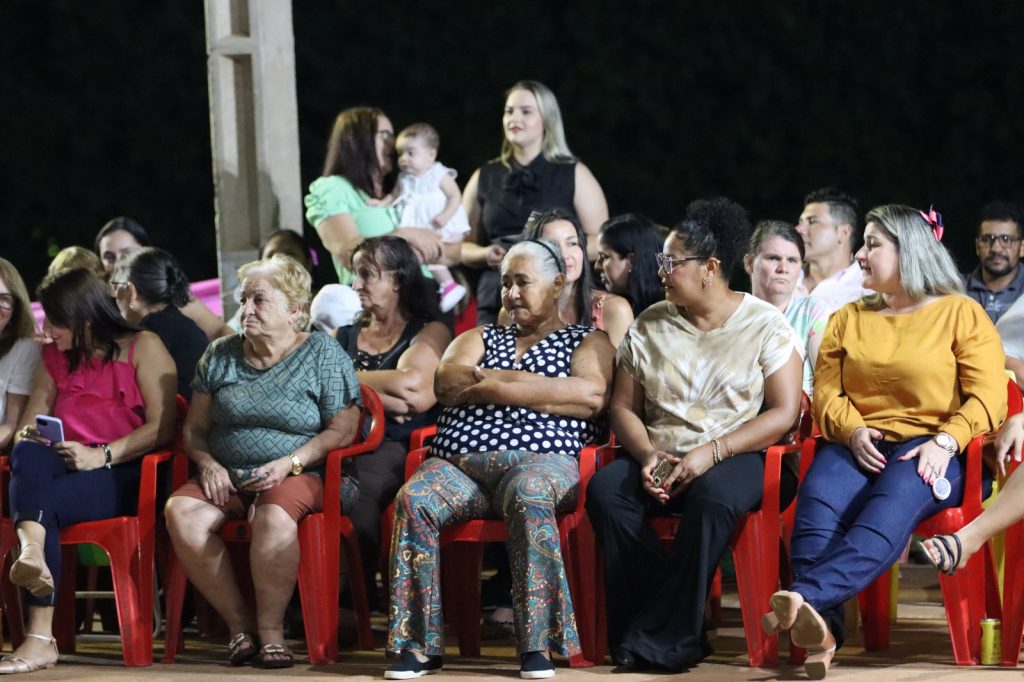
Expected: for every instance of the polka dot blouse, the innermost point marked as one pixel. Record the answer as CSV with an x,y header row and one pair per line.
x,y
488,428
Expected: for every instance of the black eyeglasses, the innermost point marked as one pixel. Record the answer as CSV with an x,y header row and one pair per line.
x,y
990,239
113,285
667,263
6,301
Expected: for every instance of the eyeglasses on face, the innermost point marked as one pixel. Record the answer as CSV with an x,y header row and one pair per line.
x,y
114,285
990,239
6,302
667,263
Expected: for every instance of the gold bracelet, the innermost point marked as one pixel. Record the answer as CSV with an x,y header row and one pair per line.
x,y
716,452
728,446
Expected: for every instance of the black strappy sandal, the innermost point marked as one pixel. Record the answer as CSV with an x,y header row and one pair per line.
x,y
948,554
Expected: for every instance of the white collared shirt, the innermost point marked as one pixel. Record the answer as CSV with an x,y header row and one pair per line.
x,y
837,289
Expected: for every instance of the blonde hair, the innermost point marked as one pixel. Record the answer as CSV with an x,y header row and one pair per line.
x,y
289,277
554,148
926,268
76,257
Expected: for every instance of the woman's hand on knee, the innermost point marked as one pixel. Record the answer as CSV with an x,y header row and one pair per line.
x,y
932,460
79,457
864,450
648,464
216,483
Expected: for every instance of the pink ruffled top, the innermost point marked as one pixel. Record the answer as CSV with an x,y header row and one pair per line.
x,y
100,401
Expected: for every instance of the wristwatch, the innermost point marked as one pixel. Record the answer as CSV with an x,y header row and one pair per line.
x,y
296,464
947,443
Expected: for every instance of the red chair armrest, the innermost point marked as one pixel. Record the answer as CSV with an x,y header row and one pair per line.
x,y
972,482
413,461
420,437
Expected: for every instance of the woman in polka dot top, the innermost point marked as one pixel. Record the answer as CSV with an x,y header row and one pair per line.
x,y
521,400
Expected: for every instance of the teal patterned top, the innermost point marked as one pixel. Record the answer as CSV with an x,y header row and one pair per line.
x,y
260,415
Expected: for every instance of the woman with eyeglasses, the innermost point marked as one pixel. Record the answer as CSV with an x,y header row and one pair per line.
x,y
150,290
19,352
706,380
345,205
535,171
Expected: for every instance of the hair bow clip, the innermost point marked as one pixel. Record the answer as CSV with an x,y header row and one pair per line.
x,y
933,218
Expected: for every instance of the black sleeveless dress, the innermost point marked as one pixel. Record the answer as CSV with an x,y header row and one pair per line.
x,y
507,196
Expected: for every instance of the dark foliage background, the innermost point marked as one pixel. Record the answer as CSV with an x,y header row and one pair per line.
x,y
917,102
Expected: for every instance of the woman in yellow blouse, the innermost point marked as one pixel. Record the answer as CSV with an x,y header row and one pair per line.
x,y
905,378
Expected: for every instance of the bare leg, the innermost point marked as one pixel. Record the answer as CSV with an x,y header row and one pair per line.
x,y
35,651
274,556
1006,509
193,525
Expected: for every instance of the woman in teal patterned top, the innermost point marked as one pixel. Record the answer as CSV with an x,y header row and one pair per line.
x,y
267,407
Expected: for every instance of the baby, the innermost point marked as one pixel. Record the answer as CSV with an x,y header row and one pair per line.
x,y
426,196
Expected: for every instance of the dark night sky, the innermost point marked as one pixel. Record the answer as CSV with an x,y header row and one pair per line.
x,y
915,102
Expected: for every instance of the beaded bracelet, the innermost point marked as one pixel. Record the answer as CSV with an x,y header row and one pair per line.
x,y
716,452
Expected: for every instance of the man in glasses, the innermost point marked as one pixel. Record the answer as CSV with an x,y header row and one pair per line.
x,y
999,279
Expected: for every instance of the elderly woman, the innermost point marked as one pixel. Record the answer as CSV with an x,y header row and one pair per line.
x,y
536,171
707,379
774,262
268,405
122,236
150,290
520,400
344,206
19,353
905,379
395,345
626,250
113,387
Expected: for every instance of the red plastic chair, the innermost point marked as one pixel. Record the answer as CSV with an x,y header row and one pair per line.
x,y
755,546
1013,570
129,542
319,559
963,594
463,558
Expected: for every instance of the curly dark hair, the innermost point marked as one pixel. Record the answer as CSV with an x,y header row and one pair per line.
x,y
417,295
715,228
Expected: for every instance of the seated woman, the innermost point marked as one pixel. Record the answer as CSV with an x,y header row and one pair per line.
x,y
19,353
520,403
774,263
396,345
113,387
150,290
120,237
626,249
268,405
905,379
707,379
580,303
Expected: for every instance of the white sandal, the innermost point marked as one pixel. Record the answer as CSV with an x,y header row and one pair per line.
x,y
14,665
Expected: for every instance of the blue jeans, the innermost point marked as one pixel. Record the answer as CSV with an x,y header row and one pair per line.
x,y
852,525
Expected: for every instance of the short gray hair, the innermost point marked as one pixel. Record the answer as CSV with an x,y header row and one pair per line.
x,y
289,277
545,254
926,268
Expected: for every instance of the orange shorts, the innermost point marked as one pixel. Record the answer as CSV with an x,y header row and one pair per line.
x,y
297,495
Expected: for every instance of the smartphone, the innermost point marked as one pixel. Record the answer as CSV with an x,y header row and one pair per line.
x,y
50,428
662,471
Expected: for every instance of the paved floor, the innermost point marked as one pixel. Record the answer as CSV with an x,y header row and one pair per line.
x,y
920,650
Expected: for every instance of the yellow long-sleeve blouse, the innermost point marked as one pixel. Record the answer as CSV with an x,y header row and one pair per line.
x,y
939,368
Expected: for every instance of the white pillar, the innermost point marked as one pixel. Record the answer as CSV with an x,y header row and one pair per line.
x,y
254,129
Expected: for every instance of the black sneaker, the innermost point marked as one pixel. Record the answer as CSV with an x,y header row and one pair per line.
x,y
407,667
536,666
